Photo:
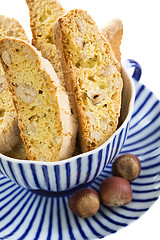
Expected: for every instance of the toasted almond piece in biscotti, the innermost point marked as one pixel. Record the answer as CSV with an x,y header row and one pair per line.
x,y
91,73
113,31
47,126
9,131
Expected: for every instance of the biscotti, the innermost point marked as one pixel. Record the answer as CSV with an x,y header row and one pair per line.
x,y
90,72
43,15
9,131
47,126
113,31
10,27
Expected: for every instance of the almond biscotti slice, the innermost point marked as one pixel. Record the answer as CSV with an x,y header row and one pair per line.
x,y
47,126
113,31
9,131
43,15
90,72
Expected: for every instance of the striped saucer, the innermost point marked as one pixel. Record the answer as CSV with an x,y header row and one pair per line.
x,y
26,214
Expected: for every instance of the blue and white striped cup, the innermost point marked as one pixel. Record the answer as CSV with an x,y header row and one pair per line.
x,y
81,169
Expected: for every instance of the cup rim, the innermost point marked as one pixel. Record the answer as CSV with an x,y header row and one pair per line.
x,y
63,162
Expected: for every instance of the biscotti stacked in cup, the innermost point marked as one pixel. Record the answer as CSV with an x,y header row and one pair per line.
x,y
88,87
9,131
91,75
45,120
43,17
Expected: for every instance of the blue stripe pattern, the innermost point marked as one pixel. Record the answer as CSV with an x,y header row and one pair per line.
x,y
46,178
32,176
27,214
57,177
78,170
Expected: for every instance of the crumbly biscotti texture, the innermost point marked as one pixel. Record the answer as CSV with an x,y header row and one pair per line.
x,y
9,131
90,72
10,27
113,31
43,15
47,126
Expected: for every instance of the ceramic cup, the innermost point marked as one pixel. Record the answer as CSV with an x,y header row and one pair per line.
x,y
80,169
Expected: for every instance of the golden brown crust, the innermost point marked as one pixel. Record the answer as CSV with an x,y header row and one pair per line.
x,y
90,71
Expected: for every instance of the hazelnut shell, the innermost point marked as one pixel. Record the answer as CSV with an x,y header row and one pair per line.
x,y
84,203
115,192
127,166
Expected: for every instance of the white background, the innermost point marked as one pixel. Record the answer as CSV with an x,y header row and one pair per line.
x,y
141,42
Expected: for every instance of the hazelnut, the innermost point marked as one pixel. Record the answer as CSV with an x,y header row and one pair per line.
x,y
80,25
26,93
3,83
6,57
92,118
127,166
96,135
104,124
96,96
31,130
107,71
58,139
80,41
115,192
84,203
